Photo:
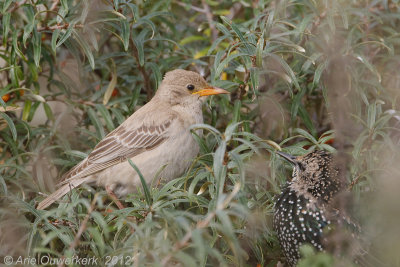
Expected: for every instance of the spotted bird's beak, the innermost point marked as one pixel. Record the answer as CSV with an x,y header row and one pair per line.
x,y
288,157
211,91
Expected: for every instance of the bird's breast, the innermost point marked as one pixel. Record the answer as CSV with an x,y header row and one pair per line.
x,y
297,221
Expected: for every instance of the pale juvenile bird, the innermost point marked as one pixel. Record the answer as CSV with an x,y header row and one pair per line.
x,y
156,136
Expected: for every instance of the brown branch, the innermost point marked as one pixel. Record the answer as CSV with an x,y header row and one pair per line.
x,y
58,27
209,15
54,5
201,224
195,8
146,78
15,7
81,229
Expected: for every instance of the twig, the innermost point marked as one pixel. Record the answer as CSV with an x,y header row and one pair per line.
x,y
54,5
15,7
209,15
201,224
82,228
58,27
146,78
195,8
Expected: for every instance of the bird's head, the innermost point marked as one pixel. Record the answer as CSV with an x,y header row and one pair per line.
x,y
315,172
182,86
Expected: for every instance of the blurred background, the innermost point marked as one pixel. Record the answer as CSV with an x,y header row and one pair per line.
x,y
303,75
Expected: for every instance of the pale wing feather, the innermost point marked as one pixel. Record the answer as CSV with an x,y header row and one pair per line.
x,y
119,145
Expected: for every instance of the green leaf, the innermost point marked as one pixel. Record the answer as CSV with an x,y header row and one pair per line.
x,y
27,110
48,111
144,184
156,73
65,35
318,72
254,78
54,38
15,46
106,116
29,12
6,27
37,47
111,85
125,33
97,124
85,47
287,68
6,4
307,120
139,44
10,125
259,52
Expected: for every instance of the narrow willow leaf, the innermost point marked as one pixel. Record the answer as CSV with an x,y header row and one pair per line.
x,y
97,123
6,27
156,73
65,35
37,47
215,44
203,188
10,125
85,47
287,68
254,78
236,111
54,38
29,12
111,85
48,111
307,120
225,62
144,184
318,72
6,4
140,49
223,29
259,52
125,33
236,29
306,135
16,48
27,110
106,116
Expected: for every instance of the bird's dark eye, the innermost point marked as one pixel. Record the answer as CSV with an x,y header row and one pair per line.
x,y
190,87
301,166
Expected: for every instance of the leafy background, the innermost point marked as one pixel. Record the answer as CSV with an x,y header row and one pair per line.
x,y
303,75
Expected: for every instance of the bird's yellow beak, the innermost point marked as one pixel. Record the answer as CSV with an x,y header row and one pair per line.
x,y
211,91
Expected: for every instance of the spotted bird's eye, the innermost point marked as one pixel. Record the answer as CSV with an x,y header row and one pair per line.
x,y
190,87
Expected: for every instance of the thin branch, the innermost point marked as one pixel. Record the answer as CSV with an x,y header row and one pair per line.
x,y
54,5
15,7
209,15
195,8
58,27
146,78
201,224
82,228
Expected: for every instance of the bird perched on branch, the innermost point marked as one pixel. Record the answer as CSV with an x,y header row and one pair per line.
x,y
302,209
156,136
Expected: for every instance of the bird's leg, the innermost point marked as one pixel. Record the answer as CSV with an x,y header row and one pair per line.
x,y
114,198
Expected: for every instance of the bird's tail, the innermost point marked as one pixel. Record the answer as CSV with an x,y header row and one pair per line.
x,y
59,193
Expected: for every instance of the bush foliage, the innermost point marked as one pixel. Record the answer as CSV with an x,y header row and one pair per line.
x,y
303,75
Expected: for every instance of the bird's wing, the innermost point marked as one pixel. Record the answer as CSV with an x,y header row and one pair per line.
x,y
122,143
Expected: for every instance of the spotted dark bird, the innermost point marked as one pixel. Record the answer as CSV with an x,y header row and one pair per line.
x,y
301,214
